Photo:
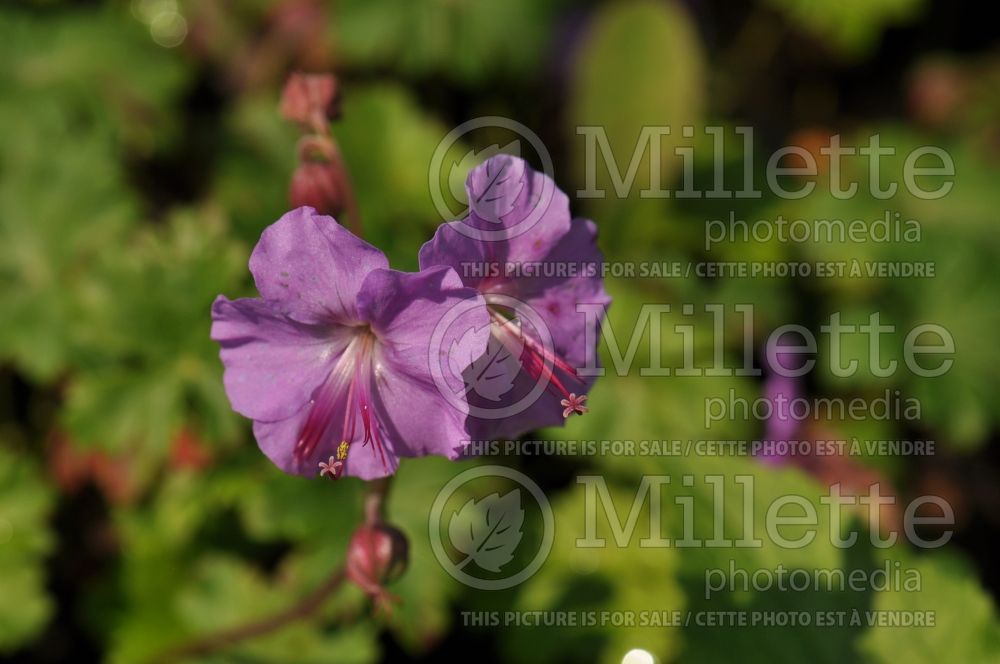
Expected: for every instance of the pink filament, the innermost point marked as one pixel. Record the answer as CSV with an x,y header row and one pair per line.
x,y
537,360
349,382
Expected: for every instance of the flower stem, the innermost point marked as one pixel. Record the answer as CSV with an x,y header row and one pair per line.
x,y
321,130
373,512
211,643
374,501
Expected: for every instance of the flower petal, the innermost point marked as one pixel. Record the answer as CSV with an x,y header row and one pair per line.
x,y
310,268
505,193
539,213
544,411
272,363
407,311
556,298
277,441
516,215
474,260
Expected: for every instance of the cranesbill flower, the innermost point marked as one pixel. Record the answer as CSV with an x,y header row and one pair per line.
x,y
332,362
534,264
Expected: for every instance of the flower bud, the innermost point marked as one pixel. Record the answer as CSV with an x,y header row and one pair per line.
x,y
377,555
315,184
310,97
936,93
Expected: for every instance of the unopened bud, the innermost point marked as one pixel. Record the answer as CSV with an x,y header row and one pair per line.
x,y
315,183
936,92
377,555
308,98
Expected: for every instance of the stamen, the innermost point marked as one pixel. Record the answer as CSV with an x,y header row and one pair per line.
x,y
540,362
318,420
372,435
348,385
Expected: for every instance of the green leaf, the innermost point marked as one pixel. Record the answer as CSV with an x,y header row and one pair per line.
x,y
152,368
57,215
64,195
467,41
851,26
965,620
25,504
604,579
648,54
74,60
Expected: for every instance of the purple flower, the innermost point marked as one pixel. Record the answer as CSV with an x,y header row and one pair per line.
x,y
781,391
332,363
533,264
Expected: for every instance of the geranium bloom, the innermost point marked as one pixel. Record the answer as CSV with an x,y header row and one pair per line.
x,y
332,361
533,263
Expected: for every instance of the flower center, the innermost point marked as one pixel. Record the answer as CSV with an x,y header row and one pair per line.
x,y
346,394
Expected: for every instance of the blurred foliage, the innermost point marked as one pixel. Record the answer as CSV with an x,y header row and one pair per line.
x,y
470,41
851,26
646,52
966,629
25,538
141,157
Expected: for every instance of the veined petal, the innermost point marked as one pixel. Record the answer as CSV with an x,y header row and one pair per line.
x,y
556,298
544,411
272,363
473,260
405,310
309,267
414,419
509,222
277,441
505,193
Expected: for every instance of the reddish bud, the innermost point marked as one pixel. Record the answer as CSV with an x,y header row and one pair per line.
x,y
936,93
189,451
813,140
377,555
114,476
310,98
72,468
315,183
